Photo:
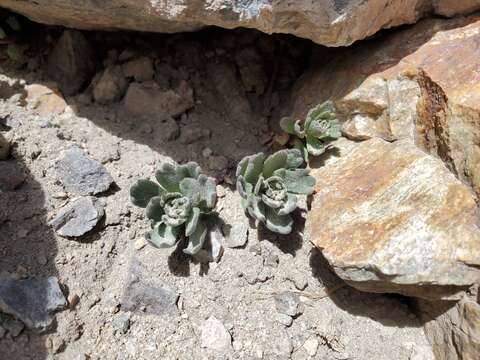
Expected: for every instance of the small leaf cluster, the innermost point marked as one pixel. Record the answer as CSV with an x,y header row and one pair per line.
x,y
177,205
269,187
319,128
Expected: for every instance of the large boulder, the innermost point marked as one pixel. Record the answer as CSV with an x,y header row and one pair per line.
x,y
331,23
390,218
409,84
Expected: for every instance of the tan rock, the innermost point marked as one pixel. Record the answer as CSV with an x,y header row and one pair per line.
x,y
453,329
45,99
148,100
432,97
332,23
390,218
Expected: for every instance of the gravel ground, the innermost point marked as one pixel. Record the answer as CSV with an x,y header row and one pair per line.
x,y
273,297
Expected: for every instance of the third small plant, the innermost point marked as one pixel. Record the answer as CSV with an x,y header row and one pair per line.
x,y
269,187
316,132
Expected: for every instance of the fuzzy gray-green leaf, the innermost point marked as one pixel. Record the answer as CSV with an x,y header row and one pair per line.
x,y
256,209
297,181
142,191
163,236
188,170
154,210
281,224
242,167
298,129
314,146
294,159
275,161
208,196
254,167
288,125
289,206
192,221
167,177
191,188
196,239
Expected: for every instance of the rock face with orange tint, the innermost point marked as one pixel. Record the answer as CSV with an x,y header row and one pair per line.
x,y
421,83
390,218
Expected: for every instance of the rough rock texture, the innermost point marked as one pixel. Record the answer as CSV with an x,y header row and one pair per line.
x,y
81,175
409,77
145,100
390,218
332,23
144,292
79,217
71,62
33,301
453,329
111,86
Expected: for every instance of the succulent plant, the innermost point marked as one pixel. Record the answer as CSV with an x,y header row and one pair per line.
x,y
269,187
319,129
177,205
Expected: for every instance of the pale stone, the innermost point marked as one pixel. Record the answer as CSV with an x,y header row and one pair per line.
x,y
331,23
215,336
390,218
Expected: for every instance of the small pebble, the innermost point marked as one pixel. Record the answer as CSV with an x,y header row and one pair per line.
x,y
284,319
311,346
140,243
73,300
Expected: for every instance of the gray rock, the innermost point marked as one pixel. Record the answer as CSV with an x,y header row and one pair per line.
x,y
122,322
3,331
284,319
111,86
141,69
169,130
288,303
215,336
33,301
238,235
217,163
192,134
11,176
71,63
147,100
144,293
298,279
4,148
212,250
80,174
78,217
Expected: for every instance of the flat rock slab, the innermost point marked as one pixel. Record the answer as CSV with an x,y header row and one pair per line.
x,y
145,293
80,174
331,23
390,218
78,217
150,101
33,301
